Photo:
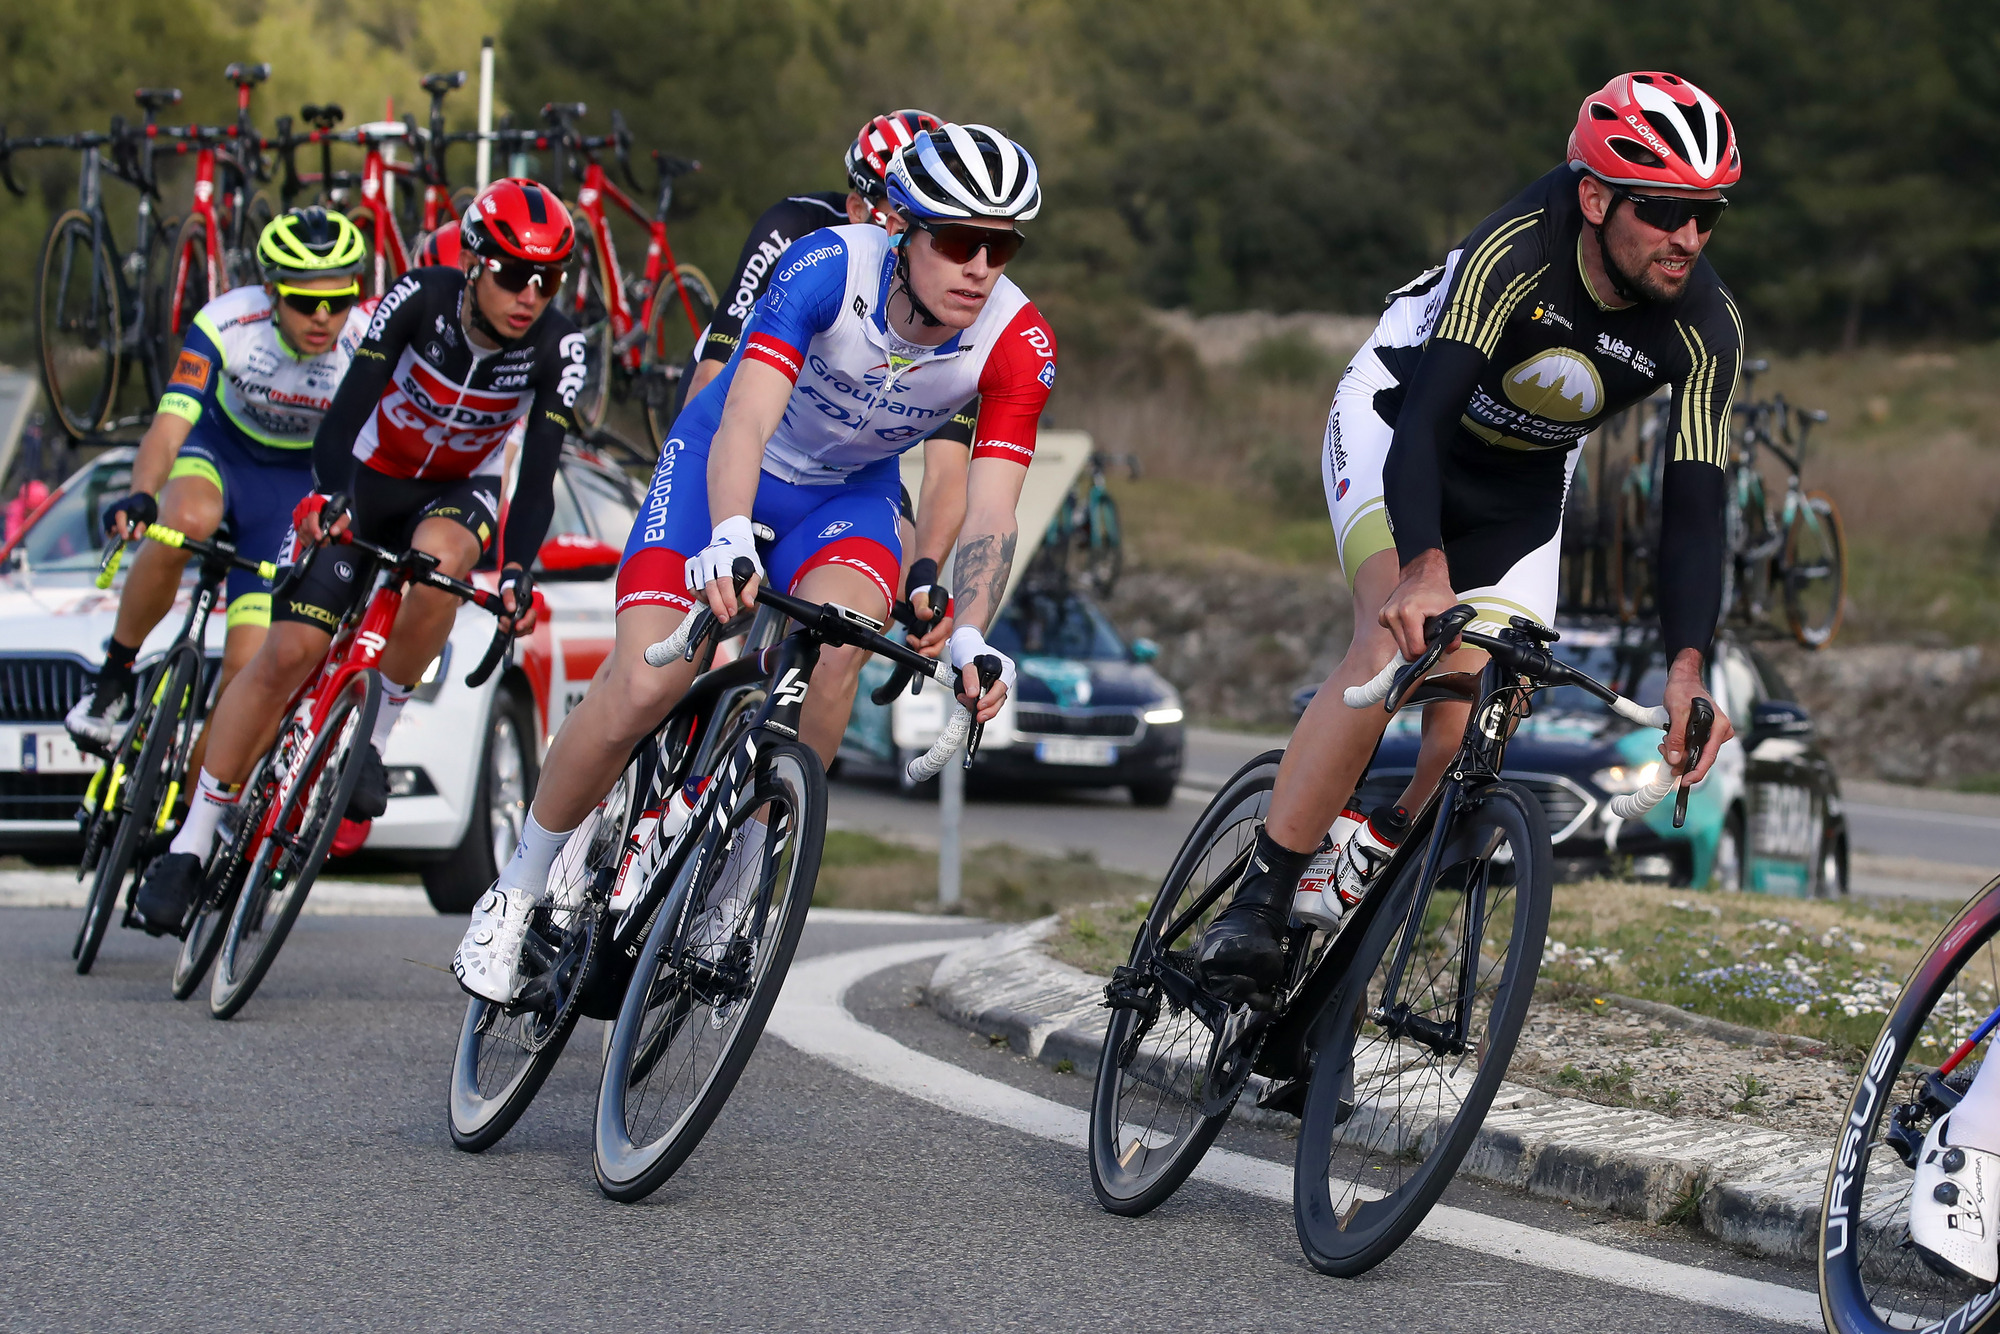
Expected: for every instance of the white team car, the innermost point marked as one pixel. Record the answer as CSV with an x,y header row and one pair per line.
x,y
461,763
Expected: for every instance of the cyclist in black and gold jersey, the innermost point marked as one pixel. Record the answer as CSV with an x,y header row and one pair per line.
x,y
1449,450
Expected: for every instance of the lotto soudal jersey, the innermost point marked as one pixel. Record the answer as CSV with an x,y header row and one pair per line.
x,y
775,230
421,401
236,371
860,393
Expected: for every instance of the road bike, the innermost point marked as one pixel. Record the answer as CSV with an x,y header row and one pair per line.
x,y
682,936
257,880
129,806
1389,1038
1799,549
216,247
1084,544
97,310
1871,1277
641,331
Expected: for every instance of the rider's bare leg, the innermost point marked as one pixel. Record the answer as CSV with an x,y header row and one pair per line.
x,y
239,648
831,699
424,622
249,712
191,505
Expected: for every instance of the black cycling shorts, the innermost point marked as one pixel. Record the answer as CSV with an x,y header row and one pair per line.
x,y
386,512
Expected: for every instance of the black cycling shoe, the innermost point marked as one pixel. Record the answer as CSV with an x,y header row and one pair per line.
x,y
1242,954
371,788
171,886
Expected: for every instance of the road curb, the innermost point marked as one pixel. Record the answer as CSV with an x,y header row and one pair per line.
x,y
1745,1185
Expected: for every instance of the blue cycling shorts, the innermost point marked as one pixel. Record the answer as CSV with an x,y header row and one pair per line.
x,y
852,524
258,495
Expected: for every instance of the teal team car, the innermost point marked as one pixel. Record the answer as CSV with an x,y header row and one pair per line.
x,y
1767,818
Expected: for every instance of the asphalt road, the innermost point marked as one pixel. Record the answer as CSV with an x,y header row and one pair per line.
x,y
291,1169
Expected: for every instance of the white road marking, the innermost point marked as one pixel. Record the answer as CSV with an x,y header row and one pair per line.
x,y
812,1017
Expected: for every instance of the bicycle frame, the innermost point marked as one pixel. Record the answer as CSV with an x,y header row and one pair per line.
x,y
378,220
596,189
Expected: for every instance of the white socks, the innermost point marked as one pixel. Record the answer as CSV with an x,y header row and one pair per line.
x,y
1977,1120
211,800
528,869
394,697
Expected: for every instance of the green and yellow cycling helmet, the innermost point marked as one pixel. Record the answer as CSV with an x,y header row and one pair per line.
x,y
311,243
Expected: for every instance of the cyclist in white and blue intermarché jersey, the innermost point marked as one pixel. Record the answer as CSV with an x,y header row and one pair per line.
x,y
863,344
231,445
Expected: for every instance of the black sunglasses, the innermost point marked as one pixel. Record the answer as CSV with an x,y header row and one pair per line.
x,y
308,302
512,275
1670,213
960,241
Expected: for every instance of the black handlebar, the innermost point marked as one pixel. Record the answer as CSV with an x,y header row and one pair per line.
x,y
905,614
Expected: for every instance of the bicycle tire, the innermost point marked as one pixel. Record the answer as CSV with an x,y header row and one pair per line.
x,y
135,807
160,351
191,283
586,299
222,881
77,326
492,1085
1104,554
239,261
1869,1281
630,1167
670,344
308,818
376,279
1811,625
1342,1231
1132,1177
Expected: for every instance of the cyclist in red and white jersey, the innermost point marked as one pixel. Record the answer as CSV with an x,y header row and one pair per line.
x,y
453,360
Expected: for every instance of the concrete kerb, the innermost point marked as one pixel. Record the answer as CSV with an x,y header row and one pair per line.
x,y
1745,1185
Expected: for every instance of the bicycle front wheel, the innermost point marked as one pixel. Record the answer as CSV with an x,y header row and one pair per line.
x,y
1815,571
77,324
586,296
506,1051
1105,556
1149,1122
1415,1043
682,309
223,881
1871,1280
709,974
288,860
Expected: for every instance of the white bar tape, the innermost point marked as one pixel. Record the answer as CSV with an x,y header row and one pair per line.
x,y
1360,697
675,645
929,764
1638,803
1640,714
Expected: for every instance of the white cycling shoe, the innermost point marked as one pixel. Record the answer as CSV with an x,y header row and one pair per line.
x,y
1955,1207
488,961
98,731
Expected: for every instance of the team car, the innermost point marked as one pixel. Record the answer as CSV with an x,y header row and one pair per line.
x,y
1768,817
461,763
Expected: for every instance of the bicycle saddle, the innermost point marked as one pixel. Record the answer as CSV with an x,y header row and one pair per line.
x,y
152,99
556,112
443,83
323,118
673,166
247,76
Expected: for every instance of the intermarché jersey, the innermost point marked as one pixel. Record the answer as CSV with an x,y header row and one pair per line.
x,y
861,393
1554,362
236,371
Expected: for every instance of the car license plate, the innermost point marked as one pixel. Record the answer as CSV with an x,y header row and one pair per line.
x,y
1069,751
41,750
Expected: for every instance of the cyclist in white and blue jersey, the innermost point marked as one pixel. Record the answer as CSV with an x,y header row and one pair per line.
x,y
863,344
230,448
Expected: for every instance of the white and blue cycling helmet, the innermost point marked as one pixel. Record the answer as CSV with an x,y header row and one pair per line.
x,y
965,171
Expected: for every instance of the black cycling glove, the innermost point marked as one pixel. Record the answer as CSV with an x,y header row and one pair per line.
x,y
137,508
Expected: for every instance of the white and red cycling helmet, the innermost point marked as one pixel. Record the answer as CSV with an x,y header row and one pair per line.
x,y
1651,128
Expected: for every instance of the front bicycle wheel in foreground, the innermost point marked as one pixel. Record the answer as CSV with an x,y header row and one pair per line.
x,y
708,976
283,870
1871,1278
1414,1045
1150,1121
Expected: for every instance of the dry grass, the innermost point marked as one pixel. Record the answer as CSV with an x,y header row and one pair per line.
x,y
999,883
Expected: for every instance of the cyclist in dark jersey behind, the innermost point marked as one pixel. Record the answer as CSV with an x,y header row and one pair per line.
x,y
453,359
1448,454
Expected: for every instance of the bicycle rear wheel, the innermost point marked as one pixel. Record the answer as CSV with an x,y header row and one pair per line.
x,y
191,283
289,858
586,296
1417,1039
1148,1123
1815,571
708,976
680,309
77,324
1104,555
1870,1279
133,797
506,1051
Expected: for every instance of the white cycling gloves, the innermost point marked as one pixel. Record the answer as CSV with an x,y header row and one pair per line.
x,y
967,643
732,538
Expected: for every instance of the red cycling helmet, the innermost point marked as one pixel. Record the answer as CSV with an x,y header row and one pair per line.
x,y
515,218
868,156
1655,129
441,249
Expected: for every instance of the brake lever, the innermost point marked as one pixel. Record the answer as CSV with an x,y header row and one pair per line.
x,y
1439,631
500,651
905,614
989,672
1701,718
7,167
621,143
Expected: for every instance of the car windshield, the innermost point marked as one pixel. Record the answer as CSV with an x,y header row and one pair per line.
x,y
1056,626
70,536
1633,670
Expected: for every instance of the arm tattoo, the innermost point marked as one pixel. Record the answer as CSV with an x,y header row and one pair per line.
x,y
981,571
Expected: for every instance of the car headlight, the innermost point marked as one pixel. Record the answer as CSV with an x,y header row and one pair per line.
x,y
1161,717
432,682
1620,779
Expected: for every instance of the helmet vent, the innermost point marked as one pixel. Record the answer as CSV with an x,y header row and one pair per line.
x,y
1642,78
513,241
1668,131
1634,152
1598,111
